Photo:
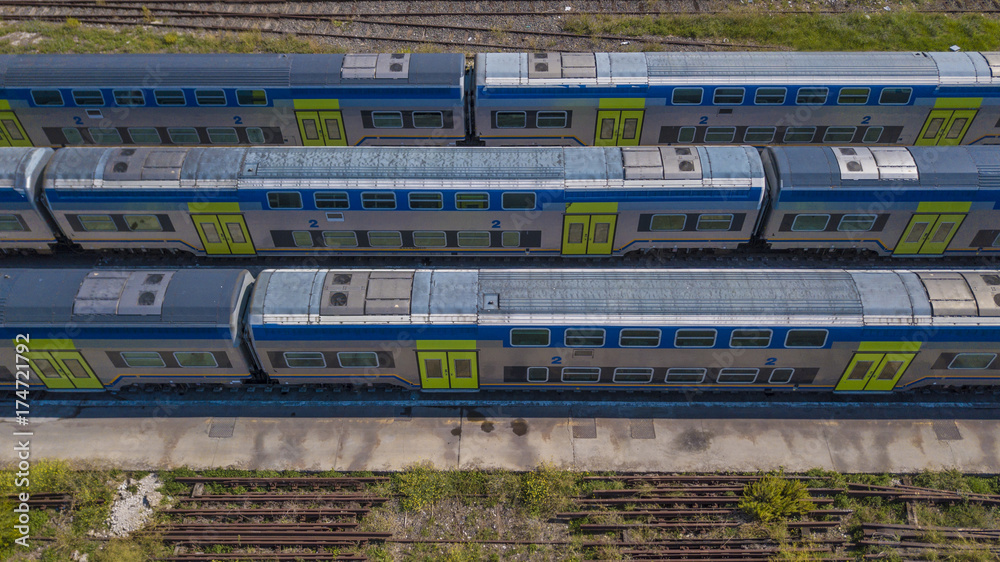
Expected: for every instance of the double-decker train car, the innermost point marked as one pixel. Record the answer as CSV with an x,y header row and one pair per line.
x,y
94,330
627,99
226,99
466,330
24,224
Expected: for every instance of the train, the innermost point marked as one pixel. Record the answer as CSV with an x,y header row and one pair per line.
x,y
467,330
940,201
501,99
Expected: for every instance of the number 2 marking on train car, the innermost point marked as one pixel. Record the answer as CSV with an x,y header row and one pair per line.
x,y
496,224
557,360
866,119
78,120
237,120
704,120
313,224
771,361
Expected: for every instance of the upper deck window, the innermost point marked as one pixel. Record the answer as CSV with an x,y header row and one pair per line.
x,y
169,97
251,97
284,200
895,96
129,98
812,96
770,96
50,98
687,96
210,97
88,97
728,96
853,96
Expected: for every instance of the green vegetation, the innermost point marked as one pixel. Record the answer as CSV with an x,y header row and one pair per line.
x,y
773,498
884,31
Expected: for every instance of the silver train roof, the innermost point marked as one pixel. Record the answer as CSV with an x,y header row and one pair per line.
x,y
635,297
20,168
728,68
405,167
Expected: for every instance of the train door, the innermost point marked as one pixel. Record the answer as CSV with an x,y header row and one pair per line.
x,y
443,370
874,371
63,369
949,121
589,228
321,128
11,132
928,234
618,128
223,234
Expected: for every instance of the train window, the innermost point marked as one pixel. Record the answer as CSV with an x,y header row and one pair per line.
x,y
895,96
720,134
385,239
387,119
853,96
103,135
429,239
806,338
686,134
738,376
750,338
511,120
607,128
331,200
996,242
47,97
799,134
511,239
284,199
581,374
302,238
550,119
304,359
428,120
72,135
357,359
340,239
97,223
770,96
694,338
88,98
251,97
812,96
183,135
956,128
432,201
839,134
378,200
856,223
255,135
759,134
210,97
584,337
474,239
472,201
529,337
715,222
518,200
144,135
222,135
143,223
872,134
538,374
660,223
781,376
169,97
633,374
10,223
12,129
810,223
142,359
728,96
685,375
639,338
195,359
972,361
129,98
686,96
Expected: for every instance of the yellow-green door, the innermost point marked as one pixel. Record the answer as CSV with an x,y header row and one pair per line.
x,y
433,369
223,234
928,234
588,234
63,369
13,132
892,366
463,369
332,125
448,369
630,128
946,126
309,128
321,128
618,128
859,371
874,371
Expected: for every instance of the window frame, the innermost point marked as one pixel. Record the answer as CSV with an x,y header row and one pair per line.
x,y
566,336
770,376
326,242
513,233
315,354
116,95
48,91
271,204
198,92
340,361
171,131
841,94
382,114
154,217
377,201
715,338
316,199
156,98
142,131
690,371
538,118
459,206
443,237
581,370
909,95
826,336
799,95
719,375
232,130
476,233
413,117
399,236
439,200
701,95
844,218
295,239
148,353
527,374
524,119
208,353
715,95
757,94
746,133
869,130
77,136
645,370
957,355
654,217
76,101
683,130
709,130
12,219
727,229
548,337
825,224
799,131
621,337
105,133
82,219
732,337
840,131
252,103
503,200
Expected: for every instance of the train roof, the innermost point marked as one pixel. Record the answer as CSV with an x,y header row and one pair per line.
x,y
20,168
638,297
406,167
250,70
61,297
729,68
923,167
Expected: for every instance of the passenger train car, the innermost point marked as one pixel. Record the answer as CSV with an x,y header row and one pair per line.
x,y
542,201
569,99
467,330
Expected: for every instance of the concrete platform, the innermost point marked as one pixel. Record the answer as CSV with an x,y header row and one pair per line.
x,y
384,435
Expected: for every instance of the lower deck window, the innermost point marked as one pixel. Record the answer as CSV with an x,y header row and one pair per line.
x,y
340,239
474,239
972,361
685,375
183,135
10,223
633,374
856,223
738,376
781,376
511,239
143,223
581,374
222,135
302,238
715,222
429,239
385,239
97,223
538,374
305,359
105,135
195,359
142,359
357,359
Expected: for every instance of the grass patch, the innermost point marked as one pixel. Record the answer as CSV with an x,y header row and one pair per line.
x,y
889,31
